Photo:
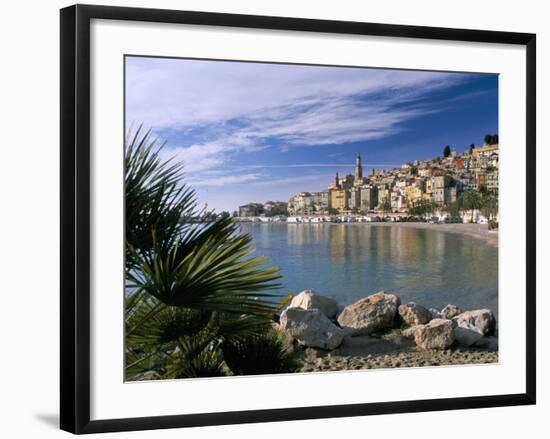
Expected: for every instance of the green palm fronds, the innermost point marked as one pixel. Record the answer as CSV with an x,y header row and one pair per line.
x,y
216,276
196,359
183,263
269,352
192,284
156,199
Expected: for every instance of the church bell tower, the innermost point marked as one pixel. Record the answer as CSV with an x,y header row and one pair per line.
x,y
358,169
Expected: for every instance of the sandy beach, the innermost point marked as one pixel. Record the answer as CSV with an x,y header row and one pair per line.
x,y
390,350
448,357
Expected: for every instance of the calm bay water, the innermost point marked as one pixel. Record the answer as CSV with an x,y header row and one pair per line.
x,y
350,261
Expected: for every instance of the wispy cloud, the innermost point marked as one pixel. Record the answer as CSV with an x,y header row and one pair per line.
x,y
174,93
211,154
293,180
320,165
224,180
241,107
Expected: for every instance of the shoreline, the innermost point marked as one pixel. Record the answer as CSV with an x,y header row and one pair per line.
x,y
479,231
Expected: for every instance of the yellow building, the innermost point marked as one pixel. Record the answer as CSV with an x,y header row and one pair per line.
x,y
339,199
414,194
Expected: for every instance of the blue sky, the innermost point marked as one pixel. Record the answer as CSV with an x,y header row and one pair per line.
x,y
253,132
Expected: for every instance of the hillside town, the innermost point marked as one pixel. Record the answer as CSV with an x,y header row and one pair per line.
x,y
456,184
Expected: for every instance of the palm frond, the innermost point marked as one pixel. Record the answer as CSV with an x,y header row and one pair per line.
x,y
196,360
217,275
192,284
268,352
156,199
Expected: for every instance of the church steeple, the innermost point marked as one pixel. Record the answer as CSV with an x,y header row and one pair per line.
x,y
358,169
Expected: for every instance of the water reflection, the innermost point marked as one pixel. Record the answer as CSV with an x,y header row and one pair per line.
x,y
349,261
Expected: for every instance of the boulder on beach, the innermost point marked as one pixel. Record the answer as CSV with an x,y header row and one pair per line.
x,y
309,299
467,336
414,314
480,320
450,311
489,342
370,314
310,327
410,332
437,334
436,314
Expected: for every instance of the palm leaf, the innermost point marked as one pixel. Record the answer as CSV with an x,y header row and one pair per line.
x,y
216,275
191,283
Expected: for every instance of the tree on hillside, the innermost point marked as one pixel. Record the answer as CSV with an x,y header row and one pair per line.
x,y
447,151
491,139
277,210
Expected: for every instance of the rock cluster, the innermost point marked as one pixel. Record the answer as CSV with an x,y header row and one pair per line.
x,y
313,321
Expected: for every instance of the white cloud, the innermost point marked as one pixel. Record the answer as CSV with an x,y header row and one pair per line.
x,y
209,155
295,105
229,109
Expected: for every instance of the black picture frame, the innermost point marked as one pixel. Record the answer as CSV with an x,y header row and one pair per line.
x,y
75,217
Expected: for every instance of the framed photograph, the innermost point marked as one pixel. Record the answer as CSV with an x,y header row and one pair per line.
x,y
268,219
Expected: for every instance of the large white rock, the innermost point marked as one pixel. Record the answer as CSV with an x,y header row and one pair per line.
x,y
414,314
309,299
310,327
437,334
369,314
480,320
